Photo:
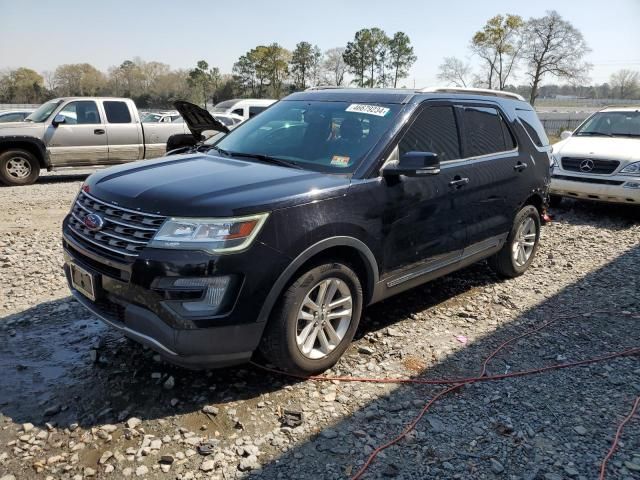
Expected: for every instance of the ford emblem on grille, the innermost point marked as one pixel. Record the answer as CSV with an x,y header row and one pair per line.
x,y
93,222
587,165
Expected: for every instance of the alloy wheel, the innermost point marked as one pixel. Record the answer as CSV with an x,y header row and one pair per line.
x,y
524,241
18,167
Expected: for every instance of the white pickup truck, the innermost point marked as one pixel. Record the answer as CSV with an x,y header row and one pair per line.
x,y
79,132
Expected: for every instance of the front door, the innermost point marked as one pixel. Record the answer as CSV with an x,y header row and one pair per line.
x,y
81,140
422,223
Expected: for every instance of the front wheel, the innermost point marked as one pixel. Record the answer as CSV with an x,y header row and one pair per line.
x,y
522,243
18,167
315,320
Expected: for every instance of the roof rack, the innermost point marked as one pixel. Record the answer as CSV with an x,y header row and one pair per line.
x,y
325,87
472,91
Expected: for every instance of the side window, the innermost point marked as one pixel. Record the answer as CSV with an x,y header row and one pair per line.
x,y
238,111
533,126
435,130
117,112
486,132
82,112
253,111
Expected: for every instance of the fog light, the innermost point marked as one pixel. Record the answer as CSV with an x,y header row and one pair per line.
x,y
632,185
215,288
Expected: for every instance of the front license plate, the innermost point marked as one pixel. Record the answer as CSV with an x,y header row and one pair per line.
x,y
82,281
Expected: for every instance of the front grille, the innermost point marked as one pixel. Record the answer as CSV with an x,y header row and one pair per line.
x,y
601,181
599,166
124,233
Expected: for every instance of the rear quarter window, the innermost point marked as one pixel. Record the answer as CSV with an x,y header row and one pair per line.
x,y
531,123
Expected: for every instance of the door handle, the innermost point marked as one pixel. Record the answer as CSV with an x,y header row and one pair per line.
x,y
458,182
520,166
99,131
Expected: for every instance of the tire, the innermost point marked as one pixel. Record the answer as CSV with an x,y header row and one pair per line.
x,y
506,262
555,201
18,167
284,332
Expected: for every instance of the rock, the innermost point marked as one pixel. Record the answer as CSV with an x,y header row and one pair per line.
x,y
27,427
328,433
8,477
248,463
330,397
496,466
89,472
207,465
156,444
552,476
109,468
105,457
394,332
365,350
127,472
169,383
571,472
166,459
142,470
210,410
53,410
580,430
109,428
133,422
436,424
634,467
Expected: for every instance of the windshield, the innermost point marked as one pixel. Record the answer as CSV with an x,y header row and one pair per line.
x,y
624,124
152,118
43,112
322,136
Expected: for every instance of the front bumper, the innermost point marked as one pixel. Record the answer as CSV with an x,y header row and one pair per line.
x,y
601,188
127,298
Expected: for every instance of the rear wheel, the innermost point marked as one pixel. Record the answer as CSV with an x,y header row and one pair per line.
x,y
18,167
522,243
315,320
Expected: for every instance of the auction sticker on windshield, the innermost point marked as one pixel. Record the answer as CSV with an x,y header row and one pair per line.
x,y
368,109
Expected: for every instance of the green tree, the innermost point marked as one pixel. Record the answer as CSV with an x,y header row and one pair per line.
x,y
22,85
204,80
401,56
301,62
274,65
553,47
357,55
499,45
244,74
79,79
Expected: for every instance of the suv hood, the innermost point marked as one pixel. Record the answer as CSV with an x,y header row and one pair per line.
x,y
202,185
198,119
611,148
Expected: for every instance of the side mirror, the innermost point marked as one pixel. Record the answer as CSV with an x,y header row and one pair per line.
x,y
566,134
413,164
58,119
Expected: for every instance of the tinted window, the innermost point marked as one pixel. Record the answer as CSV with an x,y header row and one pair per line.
x,y
434,130
485,132
82,112
534,128
12,117
238,111
117,112
253,111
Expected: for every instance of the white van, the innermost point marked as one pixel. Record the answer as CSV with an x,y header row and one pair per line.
x,y
244,107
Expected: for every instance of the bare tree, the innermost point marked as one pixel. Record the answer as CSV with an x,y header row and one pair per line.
x,y
625,83
454,71
335,66
499,44
554,47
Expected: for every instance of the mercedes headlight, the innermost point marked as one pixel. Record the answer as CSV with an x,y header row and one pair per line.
x,y
215,235
631,169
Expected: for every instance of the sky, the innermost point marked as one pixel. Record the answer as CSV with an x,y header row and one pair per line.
x,y
42,35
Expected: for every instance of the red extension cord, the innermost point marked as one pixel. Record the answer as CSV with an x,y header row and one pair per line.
x,y
456,383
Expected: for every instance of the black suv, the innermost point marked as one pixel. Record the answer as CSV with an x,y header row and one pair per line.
x,y
276,237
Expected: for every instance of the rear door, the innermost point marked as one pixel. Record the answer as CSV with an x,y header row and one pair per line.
x,y
124,135
81,139
491,165
422,221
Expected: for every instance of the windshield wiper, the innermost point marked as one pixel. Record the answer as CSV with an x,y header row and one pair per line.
x,y
595,133
625,134
262,157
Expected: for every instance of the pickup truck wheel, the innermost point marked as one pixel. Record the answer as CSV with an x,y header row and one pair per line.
x,y
315,320
18,167
522,243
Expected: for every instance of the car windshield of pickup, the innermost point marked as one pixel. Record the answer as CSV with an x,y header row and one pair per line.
x,y
612,124
43,112
322,136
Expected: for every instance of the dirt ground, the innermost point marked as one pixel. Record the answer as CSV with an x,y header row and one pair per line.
x,y
77,400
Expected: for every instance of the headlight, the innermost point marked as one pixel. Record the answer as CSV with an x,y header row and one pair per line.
x,y
631,169
216,235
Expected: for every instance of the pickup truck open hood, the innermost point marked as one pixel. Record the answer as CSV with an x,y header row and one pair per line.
x,y
198,119
201,185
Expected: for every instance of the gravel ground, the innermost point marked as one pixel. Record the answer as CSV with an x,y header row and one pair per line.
x,y
77,400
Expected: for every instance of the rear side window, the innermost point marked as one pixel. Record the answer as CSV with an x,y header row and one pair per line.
x,y
533,126
238,111
117,112
253,111
435,130
486,132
